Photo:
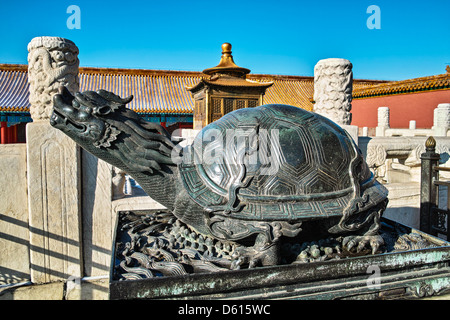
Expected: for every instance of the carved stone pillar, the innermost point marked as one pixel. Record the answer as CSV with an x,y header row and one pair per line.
x,y
383,117
53,164
441,121
52,62
383,121
333,82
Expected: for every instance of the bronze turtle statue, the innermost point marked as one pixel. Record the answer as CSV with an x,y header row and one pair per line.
x,y
252,177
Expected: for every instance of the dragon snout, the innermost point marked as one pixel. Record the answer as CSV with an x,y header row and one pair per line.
x,y
62,101
64,112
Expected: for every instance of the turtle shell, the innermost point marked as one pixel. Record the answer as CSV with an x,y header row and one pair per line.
x,y
277,163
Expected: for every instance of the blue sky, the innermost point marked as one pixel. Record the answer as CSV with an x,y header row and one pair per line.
x,y
270,37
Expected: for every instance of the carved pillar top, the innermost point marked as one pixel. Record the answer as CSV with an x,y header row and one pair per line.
x,y
333,83
442,116
52,62
383,117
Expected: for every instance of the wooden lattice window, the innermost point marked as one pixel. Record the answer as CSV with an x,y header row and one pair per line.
x,y
252,103
216,106
222,106
240,104
216,109
228,105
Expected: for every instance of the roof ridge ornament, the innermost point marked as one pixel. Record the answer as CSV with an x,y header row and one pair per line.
x,y
227,65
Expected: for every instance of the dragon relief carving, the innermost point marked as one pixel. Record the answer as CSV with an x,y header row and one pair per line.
x,y
52,62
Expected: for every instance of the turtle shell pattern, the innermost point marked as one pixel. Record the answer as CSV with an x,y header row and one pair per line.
x,y
290,164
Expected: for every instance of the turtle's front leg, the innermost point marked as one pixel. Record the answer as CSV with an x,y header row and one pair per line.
x,y
374,241
359,228
368,235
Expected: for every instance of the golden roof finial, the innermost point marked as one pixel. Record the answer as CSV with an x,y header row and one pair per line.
x,y
226,64
447,69
226,48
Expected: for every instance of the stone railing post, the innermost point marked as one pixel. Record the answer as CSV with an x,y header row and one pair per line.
x,y
333,85
53,164
383,121
365,131
428,194
441,121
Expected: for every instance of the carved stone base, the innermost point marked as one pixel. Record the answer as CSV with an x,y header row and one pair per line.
x,y
412,265
54,184
152,245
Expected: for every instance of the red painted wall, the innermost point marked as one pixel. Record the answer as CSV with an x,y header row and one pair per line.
x,y
403,108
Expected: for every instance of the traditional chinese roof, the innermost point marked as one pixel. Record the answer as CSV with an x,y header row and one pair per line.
x,y
14,88
224,81
156,91
438,82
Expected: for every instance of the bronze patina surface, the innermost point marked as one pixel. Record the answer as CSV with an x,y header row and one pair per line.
x,y
249,180
155,259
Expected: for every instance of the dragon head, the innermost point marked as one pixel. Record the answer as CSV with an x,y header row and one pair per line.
x,y
101,124
83,117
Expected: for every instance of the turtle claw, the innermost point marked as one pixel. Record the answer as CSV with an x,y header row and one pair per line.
x,y
349,242
361,242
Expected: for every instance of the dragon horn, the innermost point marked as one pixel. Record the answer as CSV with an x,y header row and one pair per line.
x,y
113,97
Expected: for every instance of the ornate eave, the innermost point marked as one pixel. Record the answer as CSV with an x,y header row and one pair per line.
x,y
218,81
